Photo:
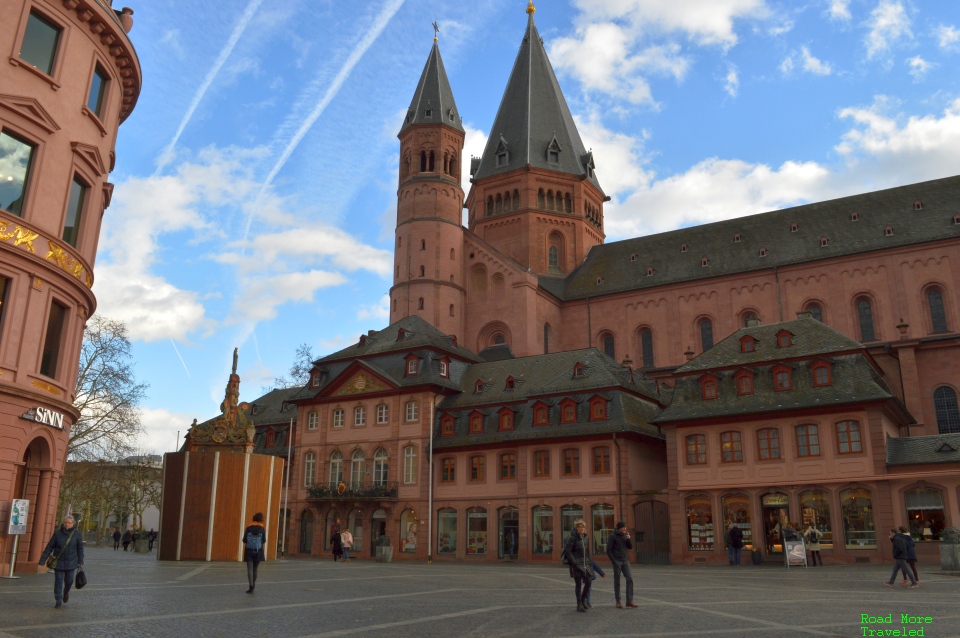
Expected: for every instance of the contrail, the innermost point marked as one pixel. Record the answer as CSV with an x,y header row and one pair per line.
x,y
379,24
181,358
167,154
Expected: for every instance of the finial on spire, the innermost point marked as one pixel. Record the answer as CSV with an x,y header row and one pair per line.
x,y
235,353
436,30
531,9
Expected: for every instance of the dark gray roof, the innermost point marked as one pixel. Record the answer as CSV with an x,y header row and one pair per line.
x,y
924,450
810,338
892,207
533,115
417,334
273,407
433,96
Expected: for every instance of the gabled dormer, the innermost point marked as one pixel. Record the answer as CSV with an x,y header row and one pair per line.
x,y
784,339
541,413
447,425
748,344
579,371
782,377
444,367
744,379
478,387
412,367
709,386
589,165
568,411
598,408
553,151
502,153
510,383
822,371
476,422
401,334
506,419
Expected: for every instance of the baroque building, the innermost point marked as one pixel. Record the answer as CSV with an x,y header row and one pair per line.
x,y
73,78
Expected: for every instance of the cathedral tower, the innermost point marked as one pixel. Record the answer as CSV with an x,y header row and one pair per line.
x,y
427,271
535,194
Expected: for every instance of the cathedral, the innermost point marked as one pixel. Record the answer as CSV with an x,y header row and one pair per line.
x,y
794,366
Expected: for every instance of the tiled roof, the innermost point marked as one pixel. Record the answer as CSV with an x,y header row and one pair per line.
x,y
773,231
417,334
923,450
273,407
433,95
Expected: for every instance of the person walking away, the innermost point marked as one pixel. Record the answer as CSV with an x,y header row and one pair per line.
x,y
900,556
617,546
151,539
812,535
66,546
911,555
596,570
336,545
735,544
576,553
116,539
346,540
254,540
127,537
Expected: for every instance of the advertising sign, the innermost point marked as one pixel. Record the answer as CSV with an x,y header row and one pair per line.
x,y
18,516
44,416
795,553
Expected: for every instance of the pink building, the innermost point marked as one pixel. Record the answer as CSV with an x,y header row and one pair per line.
x,y
73,78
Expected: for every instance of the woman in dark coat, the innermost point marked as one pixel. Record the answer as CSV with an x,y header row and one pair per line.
x,y
127,537
66,545
577,555
336,545
254,540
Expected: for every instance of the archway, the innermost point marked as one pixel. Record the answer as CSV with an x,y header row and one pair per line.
x,y
33,482
307,522
378,527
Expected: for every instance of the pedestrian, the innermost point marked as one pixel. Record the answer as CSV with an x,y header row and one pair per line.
x,y
596,570
254,540
336,545
789,532
911,555
734,544
66,547
812,535
576,553
617,545
346,540
900,555
116,538
127,537
151,539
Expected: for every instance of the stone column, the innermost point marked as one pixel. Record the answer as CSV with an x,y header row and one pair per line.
x,y
41,532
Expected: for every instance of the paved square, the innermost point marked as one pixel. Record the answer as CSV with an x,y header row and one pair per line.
x,y
135,595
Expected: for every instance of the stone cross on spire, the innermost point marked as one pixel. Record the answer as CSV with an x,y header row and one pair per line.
x,y
436,30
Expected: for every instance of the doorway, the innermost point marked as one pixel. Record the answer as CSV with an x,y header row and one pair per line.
x,y
775,516
509,532
652,536
378,527
355,525
307,521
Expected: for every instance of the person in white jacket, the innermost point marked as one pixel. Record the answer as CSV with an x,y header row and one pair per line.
x,y
346,539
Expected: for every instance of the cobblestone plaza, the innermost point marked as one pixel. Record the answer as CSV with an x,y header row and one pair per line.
x,y
134,595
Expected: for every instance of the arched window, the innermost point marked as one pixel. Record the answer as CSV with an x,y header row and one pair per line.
x,y
498,339
700,533
541,202
549,200
423,161
808,440
938,317
768,444
608,346
309,468
423,271
748,318
706,334
357,462
420,303
446,164
856,508
451,310
336,468
410,464
516,200
567,204
948,414
499,205
865,315
696,449
553,259
453,166
489,205
430,165
546,338
543,529
380,467
423,244
453,253
925,513
447,531
731,447
646,347
815,311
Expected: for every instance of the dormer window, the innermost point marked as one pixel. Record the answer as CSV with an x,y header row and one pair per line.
x,y
744,380
503,155
271,438
589,164
888,231
736,238
476,423
598,409
446,425
854,217
709,387
784,339
794,227
918,205
510,384
316,380
599,280
540,414
683,248
478,387
553,151
704,262
363,340
428,112
568,411
763,252
401,334
822,374
413,365
748,344
452,115
445,368
956,219
649,271
782,377
824,241
633,256
579,371
506,419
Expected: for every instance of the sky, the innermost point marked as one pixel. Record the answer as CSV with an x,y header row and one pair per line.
x,y
256,179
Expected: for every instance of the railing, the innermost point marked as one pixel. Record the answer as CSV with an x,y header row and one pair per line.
x,y
353,490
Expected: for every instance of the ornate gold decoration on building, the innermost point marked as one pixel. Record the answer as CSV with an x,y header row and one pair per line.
x,y
41,385
19,235
60,257
232,429
360,383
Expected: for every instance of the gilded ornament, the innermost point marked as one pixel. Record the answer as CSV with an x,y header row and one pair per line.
x,y
40,385
60,257
26,238
360,383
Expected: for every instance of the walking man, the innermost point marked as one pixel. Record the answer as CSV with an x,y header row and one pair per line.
x,y
617,545
734,544
911,555
116,539
151,539
900,555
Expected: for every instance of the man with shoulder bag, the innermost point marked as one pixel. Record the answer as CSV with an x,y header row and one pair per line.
x,y
64,554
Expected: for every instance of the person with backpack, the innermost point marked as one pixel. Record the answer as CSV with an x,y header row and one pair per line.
x,y
813,536
65,550
254,540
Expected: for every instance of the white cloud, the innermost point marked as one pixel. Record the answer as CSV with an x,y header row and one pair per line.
x,y
839,10
919,67
473,143
948,36
620,158
813,65
263,295
889,24
786,66
731,83
379,310
160,427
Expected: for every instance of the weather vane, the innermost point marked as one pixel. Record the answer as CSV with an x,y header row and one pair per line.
x,y
436,30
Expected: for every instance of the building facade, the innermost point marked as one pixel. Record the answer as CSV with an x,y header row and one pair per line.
x,y
73,78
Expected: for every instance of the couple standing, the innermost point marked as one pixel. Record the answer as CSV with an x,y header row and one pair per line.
x,y
576,554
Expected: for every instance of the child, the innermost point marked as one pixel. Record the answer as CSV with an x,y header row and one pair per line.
x,y
596,570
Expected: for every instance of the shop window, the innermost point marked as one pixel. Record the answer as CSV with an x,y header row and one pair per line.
x,y
744,380
336,468
808,440
16,158
446,426
478,469
53,340
506,419
309,468
822,374
312,420
569,514
447,531
568,411
411,411
815,510
696,449
410,465
571,462
865,316
448,472
601,460
543,530
646,347
598,409
603,522
540,414
541,463
359,416
699,523
731,447
768,444
476,531
383,414
948,414
938,317
75,205
748,344
782,378
381,465
736,510
409,527
708,388
856,507
98,88
706,335
925,513
338,418
39,46
476,423
848,437
508,466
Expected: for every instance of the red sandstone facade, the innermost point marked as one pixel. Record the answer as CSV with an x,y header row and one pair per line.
x,y
73,77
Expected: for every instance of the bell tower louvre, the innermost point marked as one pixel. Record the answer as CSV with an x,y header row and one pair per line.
x,y
429,236
535,193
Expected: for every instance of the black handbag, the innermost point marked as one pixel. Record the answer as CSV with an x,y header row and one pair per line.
x,y
81,580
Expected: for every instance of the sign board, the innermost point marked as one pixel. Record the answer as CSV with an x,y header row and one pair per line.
x,y
18,516
795,553
774,499
44,416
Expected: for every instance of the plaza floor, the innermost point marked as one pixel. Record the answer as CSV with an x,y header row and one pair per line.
x,y
135,595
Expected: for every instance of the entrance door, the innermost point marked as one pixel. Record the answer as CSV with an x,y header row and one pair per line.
x,y
378,528
775,515
355,525
509,532
652,536
306,532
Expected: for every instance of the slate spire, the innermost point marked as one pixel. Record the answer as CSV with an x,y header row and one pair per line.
x,y
433,101
534,125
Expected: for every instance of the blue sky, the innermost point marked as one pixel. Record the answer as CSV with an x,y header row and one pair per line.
x,y
256,179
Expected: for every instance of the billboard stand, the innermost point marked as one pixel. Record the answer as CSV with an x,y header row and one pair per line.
x,y
18,525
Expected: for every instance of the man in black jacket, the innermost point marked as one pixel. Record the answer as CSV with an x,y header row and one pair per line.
x,y
900,555
617,545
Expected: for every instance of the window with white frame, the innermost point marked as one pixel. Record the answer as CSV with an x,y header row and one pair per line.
x,y
383,413
309,468
338,418
359,415
312,420
357,464
443,369
380,467
336,467
412,411
410,464
412,366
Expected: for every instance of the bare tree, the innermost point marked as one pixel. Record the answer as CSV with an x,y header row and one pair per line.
x,y
107,394
299,372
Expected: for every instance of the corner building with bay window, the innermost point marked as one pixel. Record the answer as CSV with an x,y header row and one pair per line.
x,y
73,78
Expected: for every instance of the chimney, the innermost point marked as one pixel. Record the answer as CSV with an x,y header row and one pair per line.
x,y
804,315
753,322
